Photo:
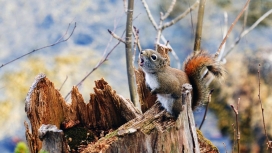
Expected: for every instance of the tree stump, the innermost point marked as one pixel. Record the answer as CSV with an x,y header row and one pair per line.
x,y
108,122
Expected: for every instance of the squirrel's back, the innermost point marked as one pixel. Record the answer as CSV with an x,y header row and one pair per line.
x,y
193,67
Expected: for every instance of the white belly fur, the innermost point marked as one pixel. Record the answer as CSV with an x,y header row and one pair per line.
x,y
151,81
167,101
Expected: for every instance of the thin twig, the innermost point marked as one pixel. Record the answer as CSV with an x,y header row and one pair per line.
x,y
63,82
159,32
181,16
220,55
198,33
170,9
233,127
231,27
259,96
206,110
104,58
58,42
236,111
149,14
137,38
116,37
248,30
191,19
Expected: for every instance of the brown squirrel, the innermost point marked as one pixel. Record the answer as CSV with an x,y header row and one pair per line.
x,y
167,82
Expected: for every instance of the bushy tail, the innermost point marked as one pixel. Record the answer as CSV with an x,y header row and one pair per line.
x,y
193,67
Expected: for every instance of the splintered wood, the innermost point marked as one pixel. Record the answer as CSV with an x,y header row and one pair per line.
x,y
155,131
45,105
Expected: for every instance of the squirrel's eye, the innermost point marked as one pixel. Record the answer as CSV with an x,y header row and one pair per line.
x,y
153,57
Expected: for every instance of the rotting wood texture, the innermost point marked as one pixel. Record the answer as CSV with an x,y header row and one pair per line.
x,y
44,105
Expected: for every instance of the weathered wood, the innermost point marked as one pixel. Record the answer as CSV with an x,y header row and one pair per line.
x,y
45,105
155,131
108,113
52,139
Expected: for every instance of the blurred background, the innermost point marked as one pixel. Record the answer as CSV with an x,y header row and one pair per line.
x,y
28,25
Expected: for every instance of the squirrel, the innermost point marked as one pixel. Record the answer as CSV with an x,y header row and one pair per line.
x,y
166,82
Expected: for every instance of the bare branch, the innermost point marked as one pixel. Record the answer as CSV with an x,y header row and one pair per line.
x,y
149,14
260,101
159,32
234,142
170,9
220,55
248,30
116,37
231,27
198,34
104,59
130,67
137,38
236,111
63,82
61,40
181,16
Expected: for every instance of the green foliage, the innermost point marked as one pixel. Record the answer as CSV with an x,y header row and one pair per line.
x,y
21,147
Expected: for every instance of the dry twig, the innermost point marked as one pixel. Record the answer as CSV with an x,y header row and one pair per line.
x,y
231,27
259,96
236,111
245,32
104,59
61,40
233,127
162,26
136,37
170,9
63,82
116,36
